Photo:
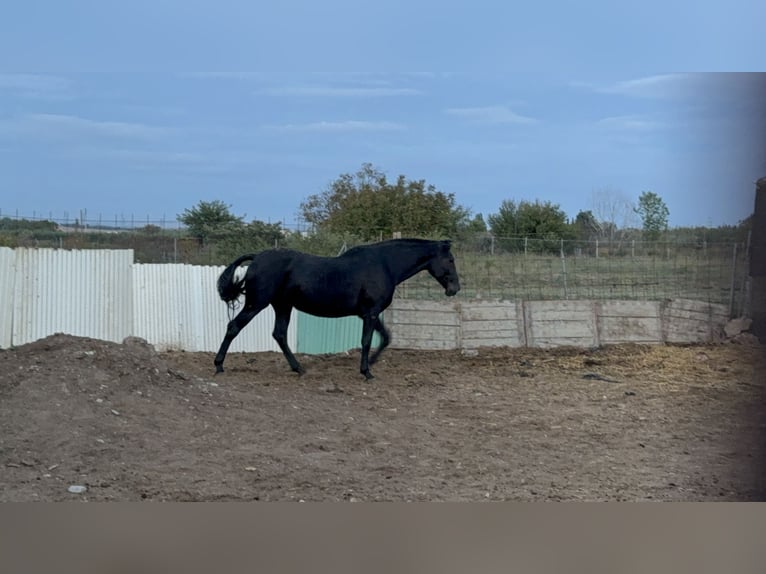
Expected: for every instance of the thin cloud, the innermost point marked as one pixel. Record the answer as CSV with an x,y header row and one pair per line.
x,y
429,75
380,78
338,92
38,86
344,126
630,123
60,125
149,157
491,115
221,75
155,110
152,160
370,85
660,86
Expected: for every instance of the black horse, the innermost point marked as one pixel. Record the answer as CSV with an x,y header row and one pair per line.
x,y
359,282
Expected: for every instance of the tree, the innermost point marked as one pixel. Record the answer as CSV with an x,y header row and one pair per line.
x,y
534,220
367,205
474,226
504,223
209,218
252,237
615,215
473,234
585,226
654,214
8,224
543,220
151,229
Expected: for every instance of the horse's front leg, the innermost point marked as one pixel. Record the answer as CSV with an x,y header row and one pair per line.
x,y
367,326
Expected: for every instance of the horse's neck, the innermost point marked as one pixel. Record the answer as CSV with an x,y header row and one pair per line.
x,y
406,263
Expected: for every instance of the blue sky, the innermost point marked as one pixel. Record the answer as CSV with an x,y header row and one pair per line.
x,y
146,111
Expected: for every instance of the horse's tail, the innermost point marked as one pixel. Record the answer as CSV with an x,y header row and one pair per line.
x,y
230,287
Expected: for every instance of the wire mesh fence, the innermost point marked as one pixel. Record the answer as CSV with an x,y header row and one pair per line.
x,y
152,240
531,269
490,267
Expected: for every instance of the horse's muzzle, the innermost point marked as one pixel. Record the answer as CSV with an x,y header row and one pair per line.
x,y
451,291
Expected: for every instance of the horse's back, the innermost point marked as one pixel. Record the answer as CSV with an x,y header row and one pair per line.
x,y
323,286
268,266
288,269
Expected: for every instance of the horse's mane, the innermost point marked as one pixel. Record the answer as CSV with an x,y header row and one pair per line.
x,y
398,242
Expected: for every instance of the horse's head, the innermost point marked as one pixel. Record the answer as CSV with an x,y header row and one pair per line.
x,y
442,268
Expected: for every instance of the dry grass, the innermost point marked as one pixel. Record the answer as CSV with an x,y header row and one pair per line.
x,y
669,366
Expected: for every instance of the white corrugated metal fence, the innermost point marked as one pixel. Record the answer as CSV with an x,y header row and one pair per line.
x,y
103,294
86,293
176,306
7,276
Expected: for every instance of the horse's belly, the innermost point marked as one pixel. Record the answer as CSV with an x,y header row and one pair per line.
x,y
327,308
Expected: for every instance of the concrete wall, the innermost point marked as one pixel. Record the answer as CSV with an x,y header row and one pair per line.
x,y
423,324
629,322
558,323
686,320
491,324
453,324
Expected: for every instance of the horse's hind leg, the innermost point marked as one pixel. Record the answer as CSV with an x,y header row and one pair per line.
x,y
385,339
235,326
281,323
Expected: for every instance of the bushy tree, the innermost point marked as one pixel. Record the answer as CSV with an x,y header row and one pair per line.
x,y
248,238
505,223
367,205
473,226
474,235
8,224
585,226
537,220
654,214
324,243
209,218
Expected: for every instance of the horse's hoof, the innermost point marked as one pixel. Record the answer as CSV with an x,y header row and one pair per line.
x,y
218,369
368,375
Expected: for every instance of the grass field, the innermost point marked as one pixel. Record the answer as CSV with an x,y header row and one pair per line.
x,y
714,275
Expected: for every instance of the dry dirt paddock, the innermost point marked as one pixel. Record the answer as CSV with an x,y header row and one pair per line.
x,y
130,424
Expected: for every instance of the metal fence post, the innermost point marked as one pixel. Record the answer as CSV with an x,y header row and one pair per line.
x,y
757,262
743,300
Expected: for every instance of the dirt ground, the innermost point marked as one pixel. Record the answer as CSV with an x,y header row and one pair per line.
x,y
130,424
